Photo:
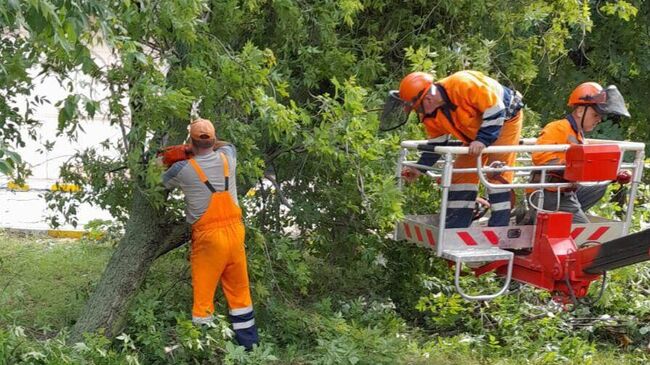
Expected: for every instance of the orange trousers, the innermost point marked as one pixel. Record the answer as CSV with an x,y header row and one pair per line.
x,y
218,254
510,135
463,190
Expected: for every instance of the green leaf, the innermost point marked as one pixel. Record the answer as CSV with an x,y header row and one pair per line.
x,y
62,119
91,108
623,9
5,168
13,156
70,32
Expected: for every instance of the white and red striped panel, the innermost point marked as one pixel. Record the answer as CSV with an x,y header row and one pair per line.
x,y
419,234
515,237
503,237
598,232
469,240
426,235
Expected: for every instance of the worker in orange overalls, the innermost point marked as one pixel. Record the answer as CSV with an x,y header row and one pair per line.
x,y
590,103
217,252
478,111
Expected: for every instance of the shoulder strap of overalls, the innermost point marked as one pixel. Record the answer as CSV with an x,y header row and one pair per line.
x,y
204,178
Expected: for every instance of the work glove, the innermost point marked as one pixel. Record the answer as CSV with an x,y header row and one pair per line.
x,y
623,177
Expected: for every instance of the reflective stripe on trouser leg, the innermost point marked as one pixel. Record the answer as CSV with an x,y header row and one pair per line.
x,y
235,287
500,198
202,320
243,323
499,208
460,205
510,135
459,215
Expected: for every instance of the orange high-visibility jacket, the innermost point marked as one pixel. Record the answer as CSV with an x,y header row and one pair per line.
x,y
563,131
475,108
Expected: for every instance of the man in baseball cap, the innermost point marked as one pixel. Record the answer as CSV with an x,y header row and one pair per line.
x,y
207,180
202,130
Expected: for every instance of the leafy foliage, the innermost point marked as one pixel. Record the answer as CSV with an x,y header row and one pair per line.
x,y
355,328
296,86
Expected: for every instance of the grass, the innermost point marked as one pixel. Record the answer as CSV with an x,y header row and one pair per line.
x,y
44,283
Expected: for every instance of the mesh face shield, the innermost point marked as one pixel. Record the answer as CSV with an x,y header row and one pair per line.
x,y
395,113
614,105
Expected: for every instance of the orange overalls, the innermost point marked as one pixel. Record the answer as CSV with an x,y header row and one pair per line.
x,y
574,200
476,108
560,131
218,253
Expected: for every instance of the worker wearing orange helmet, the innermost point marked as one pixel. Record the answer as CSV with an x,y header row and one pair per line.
x,y
590,103
207,179
478,111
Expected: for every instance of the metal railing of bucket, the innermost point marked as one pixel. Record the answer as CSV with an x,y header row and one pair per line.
x,y
444,171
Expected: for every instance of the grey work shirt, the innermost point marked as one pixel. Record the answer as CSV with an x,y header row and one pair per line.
x,y
197,195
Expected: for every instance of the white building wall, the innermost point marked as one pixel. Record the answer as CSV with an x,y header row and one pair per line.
x,y
27,210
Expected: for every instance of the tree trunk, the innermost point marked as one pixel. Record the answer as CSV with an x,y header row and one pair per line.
x,y
147,237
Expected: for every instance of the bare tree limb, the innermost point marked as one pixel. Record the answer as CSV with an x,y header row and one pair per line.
x,y
278,190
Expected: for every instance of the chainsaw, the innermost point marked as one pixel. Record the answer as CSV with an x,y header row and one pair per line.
x,y
170,155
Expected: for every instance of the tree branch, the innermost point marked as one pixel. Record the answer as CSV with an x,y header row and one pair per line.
x,y
178,235
273,181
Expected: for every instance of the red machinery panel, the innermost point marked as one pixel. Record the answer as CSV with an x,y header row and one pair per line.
x,y
596,162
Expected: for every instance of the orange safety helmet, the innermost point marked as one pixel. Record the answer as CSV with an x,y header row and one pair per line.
x,y
587,93
608,101
400,103
413,87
